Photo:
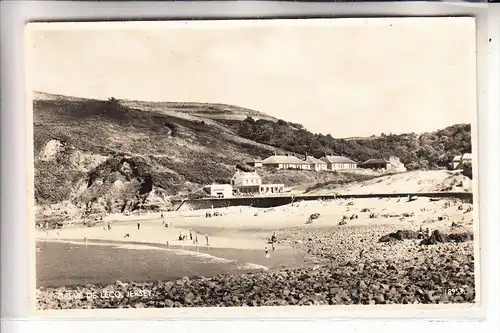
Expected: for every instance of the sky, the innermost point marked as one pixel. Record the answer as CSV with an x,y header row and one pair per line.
x,y
344,77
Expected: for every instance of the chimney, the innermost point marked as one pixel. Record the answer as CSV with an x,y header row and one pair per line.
x,y
305,157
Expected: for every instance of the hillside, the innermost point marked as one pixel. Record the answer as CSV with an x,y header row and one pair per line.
x,y
95,156
425,151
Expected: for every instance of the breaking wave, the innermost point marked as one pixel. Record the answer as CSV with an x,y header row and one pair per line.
x,y
249,265
208,257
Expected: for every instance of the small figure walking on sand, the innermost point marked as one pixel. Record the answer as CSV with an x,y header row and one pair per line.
x,y
273,238
138,226
267,252
273,248
190,234
206,238
196,242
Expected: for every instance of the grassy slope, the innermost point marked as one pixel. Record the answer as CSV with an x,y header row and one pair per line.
x,y
167,149
170,147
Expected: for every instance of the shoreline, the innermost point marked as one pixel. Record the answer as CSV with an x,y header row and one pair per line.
x,y
354,266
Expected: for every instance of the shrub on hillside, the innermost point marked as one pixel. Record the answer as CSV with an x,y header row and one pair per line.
x,y
244,167
54,180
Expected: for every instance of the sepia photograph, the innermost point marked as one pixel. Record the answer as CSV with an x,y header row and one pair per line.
x,y
253,163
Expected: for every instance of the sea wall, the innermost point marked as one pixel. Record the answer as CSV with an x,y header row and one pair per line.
x,y
274,201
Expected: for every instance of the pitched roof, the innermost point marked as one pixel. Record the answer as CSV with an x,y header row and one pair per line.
x,y
248,175
457,158
282,159
313,160
375,161
467,156
337,159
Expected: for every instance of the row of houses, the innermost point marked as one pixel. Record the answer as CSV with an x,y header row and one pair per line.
x,y
244,183
325,163
250,183
289,161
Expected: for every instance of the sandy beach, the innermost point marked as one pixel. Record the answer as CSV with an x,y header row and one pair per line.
x,y
398,270
249,228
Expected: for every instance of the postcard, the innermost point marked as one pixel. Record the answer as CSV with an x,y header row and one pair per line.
x,y
253,163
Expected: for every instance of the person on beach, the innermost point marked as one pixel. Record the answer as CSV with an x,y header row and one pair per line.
x,y
190,234
167,244
138,226
181,236
85,240
273,248
267,252
206,238
274,238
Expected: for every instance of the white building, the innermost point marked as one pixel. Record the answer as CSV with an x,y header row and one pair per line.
x,y
219,190
285,162
246,182
459,160
338,162
395,164
316,164
241,178
250,183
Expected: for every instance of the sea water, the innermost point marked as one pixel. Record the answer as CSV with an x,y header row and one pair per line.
x,y
77,263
